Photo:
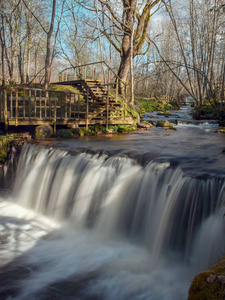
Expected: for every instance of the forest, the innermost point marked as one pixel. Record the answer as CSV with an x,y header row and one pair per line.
x,y
161,49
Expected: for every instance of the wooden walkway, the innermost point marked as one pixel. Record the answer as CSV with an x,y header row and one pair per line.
x,y
91,104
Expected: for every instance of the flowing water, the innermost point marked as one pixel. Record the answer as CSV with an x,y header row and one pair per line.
x,y
115,217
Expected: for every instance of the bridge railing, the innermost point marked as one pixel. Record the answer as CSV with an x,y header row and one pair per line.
x,y
33,106
29,104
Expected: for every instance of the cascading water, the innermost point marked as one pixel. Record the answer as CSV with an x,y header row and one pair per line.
x,y
127,231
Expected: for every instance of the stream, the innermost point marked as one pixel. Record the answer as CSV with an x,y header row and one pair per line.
x,y
114,217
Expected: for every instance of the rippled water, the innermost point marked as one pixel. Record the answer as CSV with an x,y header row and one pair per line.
x,y
195,145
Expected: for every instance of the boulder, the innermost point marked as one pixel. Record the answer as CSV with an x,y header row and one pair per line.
x,y
166,124
145,125
221,130
43,131
209,284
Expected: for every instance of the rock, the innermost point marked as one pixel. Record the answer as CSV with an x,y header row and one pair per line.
x,y
126,128
211,278
64,133
145,125
165,124
76,131
221,130
209,284
222,279
43,131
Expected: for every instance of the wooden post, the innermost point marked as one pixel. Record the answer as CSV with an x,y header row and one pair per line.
x,y
16,107
5,109
29,104
24,112
66,74
50,106
35,104
124,111
55,112
40,108
78,116
87,110
70,108
61,114
11,105
66,107
74,106
107,109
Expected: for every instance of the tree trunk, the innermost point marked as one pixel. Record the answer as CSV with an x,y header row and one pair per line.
x,y
2,39
48,48
21,64
123,72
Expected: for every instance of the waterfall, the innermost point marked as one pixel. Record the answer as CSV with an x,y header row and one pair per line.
x,y
124,224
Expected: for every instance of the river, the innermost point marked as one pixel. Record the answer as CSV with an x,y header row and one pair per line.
x,y
115,217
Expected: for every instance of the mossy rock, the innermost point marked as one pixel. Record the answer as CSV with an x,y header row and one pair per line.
x,y
125,128
145,125
165,124
221,130
209,285
43,131
64,133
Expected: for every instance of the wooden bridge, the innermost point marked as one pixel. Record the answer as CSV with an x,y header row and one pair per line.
x,y
93,102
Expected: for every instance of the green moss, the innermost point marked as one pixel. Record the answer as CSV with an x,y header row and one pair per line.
x,y
168,106
125,128
209,285
64,133
207,111
96,128
144,106
5,146
63,88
